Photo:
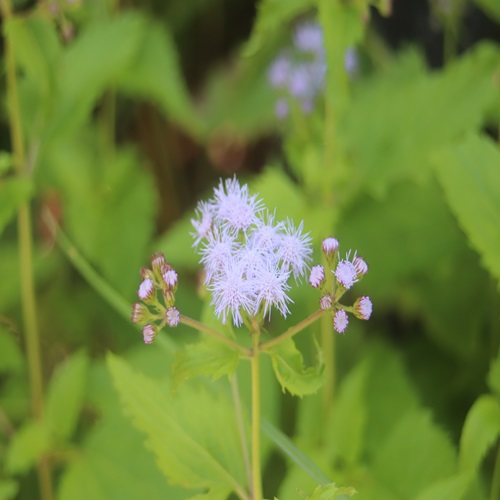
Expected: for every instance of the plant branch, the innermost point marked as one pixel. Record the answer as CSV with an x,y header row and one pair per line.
x,y
255,363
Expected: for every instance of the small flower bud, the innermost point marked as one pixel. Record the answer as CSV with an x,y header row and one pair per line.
x,y
363,308
147,273
170,278
330,246
149,333
157,261
146,289
173,316
361,266
317,276
325,302
346,274
139,314
340,321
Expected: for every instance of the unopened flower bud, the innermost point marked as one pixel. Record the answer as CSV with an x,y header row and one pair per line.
x,y
157,262
147,273
173,316
146,290
317,276
361,266
346,274
170,278
330,246
363,308
325,302
139,314
149,333
340,321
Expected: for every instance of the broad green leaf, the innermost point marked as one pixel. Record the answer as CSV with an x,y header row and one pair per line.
x,y
84,77
190,450
345,432
37,49
8,489
288,365
393,101
110,204
470,178
491,7
404,462
480,431
28,444
11,359
65,396
155,74
330,491
13,192
206,357
112,461
271,16
389,395
494,375
453,488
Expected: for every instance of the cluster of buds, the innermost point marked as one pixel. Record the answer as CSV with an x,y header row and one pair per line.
x,y
344,273
157,297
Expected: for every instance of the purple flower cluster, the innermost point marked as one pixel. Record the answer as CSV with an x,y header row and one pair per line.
x,y
298,73
344,274
247,256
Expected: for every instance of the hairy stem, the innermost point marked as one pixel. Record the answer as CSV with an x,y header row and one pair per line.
x,y
292,330
24,223
255,362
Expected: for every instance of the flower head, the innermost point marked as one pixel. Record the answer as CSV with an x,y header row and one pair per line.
x,y
146,289
330,246
149,333
309,37
340,321
360,265
295,249
170,278
346,273
173,316
325,302
363,308
317,276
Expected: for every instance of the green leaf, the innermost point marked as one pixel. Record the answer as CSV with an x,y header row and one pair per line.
x,y
330,491
37,48
494,375
28,444
13,192
207,357
6,162
8,489
11,359
470,178
453,488
392,101
155,74
403,463
345,432
491,7
65,396
480,431
271,16
191,451
288,365
84,76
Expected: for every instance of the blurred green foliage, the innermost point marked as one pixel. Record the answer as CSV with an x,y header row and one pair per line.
x,y
400,161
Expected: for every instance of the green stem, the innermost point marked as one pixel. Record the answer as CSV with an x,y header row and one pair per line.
x,y
328,345
197,325
495,483
241,426
266,346
29,310
255,363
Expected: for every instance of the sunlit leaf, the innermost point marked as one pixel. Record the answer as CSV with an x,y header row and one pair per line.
x,y
28,444
191,451
494,375
65,396
480,431
331,491
288,365
453,488
470,178
8,489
